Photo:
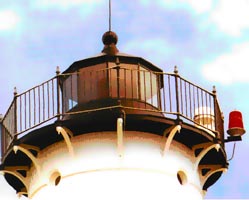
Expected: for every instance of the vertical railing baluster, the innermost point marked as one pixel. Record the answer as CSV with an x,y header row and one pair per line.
x,y
158,86
194,98
53,113
170,98
202,103
58,92
20,112
145,99
29,109
215,111
15,114
190,101
25,111
2,139
48,103
186,99
198,101
181,98
139,83
43,102
177,93
208,110
34,110
39,103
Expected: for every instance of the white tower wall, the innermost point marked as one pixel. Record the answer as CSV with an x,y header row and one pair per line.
x,y
98,168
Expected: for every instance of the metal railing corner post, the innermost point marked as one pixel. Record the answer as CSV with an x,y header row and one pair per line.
x,y
177,92
219,120
1,137
215,108
15,114
58,93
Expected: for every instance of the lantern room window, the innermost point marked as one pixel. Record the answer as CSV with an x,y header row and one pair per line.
x,y
126,85
70,94
149,87
102,84
135,82
93,84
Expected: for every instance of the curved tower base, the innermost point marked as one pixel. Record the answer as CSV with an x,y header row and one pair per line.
x,y
104,165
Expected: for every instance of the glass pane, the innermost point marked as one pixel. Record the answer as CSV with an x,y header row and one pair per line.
x,y
93,84
127,81
148,87
154,84
113,83
70,98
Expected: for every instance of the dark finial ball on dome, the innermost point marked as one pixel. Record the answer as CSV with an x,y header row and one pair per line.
x,y
110,38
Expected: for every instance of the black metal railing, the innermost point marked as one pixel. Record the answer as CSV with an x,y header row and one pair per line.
x,y
165,93
28,110
36,106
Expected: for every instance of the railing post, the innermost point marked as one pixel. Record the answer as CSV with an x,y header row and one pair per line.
x,y
15,114
159,81
215,108
177,93
1,136
219,124
58,92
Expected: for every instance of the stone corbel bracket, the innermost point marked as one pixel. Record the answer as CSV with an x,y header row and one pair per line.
x,y
26,150
209,171
120,137
206,147
66,134
171,131
14,171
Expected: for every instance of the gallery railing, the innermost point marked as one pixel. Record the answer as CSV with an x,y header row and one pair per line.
x,y
174,97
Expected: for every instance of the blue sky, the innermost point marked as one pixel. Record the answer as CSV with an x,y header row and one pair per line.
x,y
208,40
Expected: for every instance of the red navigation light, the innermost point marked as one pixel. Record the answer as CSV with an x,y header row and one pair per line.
x,y
235,124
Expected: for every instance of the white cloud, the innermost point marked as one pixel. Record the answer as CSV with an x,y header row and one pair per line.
x,y
231,16
198,7
231,67
8,20
66,3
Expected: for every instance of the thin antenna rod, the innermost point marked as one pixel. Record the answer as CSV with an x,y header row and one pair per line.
x,y
110,15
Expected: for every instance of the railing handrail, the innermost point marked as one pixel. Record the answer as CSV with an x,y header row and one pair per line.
x,y
184,79
26,91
